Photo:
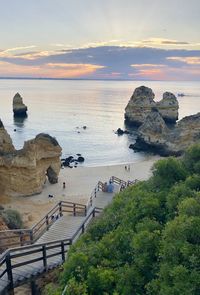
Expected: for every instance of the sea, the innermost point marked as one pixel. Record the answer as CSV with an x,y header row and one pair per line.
x,y
62,107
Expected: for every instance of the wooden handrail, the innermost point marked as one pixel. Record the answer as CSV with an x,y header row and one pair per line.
x,y
22,237
6,263
100,186
28,236
42,248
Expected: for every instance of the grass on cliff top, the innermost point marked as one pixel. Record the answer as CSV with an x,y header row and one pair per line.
x,y
146,242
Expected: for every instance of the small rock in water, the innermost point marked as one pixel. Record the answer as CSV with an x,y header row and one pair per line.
x,y
80,159
131,146
121,132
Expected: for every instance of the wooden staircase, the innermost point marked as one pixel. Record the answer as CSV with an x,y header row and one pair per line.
x,y
45,246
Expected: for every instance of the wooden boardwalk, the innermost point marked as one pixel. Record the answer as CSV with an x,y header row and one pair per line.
x,y
62,228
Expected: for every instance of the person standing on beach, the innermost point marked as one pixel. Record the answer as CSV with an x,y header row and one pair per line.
x,y
64,185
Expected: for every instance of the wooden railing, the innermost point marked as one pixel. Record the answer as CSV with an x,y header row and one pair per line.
x,y
21,237
118,181
123,183
38,252
100,187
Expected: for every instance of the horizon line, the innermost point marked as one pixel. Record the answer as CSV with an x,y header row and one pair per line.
x,y
92,79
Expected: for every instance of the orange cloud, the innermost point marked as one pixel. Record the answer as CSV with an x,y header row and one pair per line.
x,y
153,74
48,70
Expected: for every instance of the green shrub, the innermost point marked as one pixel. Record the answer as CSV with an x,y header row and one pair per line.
x,y
147,242
12,219
191,159
167,172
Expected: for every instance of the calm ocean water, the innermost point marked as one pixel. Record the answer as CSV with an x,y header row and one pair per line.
x,y
62,108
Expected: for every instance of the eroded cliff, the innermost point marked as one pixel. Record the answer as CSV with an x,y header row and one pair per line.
x,y
24,172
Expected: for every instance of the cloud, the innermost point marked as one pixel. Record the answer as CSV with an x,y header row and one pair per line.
x,y
151,42
148,66
105,62
48,70
161,41
190,60
20,48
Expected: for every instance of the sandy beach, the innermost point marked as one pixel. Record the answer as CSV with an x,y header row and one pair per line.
x,y
80,182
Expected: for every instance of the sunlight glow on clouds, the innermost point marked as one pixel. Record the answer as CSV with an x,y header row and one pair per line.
x,y
48,70
150,42
148,66
190,60
103,62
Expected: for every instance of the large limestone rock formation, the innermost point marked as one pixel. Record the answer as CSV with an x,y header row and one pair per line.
x,y
24,172
19,108
141,103
168,107
154,134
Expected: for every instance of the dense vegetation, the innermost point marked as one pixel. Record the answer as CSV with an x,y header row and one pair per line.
x,y
147,241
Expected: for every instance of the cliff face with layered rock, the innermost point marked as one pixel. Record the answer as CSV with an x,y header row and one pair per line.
x,y
168,107
19,108
24,172
6,145
154,134
141,103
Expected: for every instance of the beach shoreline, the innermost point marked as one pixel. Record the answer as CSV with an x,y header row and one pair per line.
x,y
79,184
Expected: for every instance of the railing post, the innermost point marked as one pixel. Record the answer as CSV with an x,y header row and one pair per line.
x,y
47,222
63,251
60,209
9,273
95,192
44,256
33,287
83,228
74,209
93,213
91,201
21,238
31,236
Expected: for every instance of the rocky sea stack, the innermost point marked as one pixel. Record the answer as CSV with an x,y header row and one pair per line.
x,y
24,172
19,108
155,135
142,102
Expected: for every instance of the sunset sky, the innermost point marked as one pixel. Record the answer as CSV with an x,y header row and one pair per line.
x,y
100,39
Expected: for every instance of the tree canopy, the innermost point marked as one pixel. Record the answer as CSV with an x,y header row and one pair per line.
x,y
147,241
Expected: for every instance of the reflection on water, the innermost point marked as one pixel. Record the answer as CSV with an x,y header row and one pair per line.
x,y
19,121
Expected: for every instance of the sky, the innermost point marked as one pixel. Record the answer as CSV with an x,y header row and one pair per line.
x,y
100,39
